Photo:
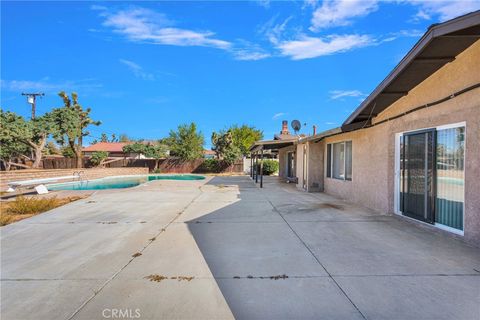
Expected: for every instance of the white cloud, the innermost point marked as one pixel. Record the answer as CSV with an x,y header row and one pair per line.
x,y
144,25
244,54
245,50
421,15
44,85
278,115
414,33
137,70
444,9
273,31
97,7
309,3
338,94
340,12
147,26
263,3
305,47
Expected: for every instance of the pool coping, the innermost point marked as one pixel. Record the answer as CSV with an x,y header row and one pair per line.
x,y
128,176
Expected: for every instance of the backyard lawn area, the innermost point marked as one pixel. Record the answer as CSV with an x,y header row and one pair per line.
x,y
221,248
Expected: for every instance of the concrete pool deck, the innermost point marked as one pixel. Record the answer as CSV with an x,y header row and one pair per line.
x,y
221,248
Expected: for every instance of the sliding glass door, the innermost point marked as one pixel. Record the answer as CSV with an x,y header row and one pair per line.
x,y
431,185
418,172
450,177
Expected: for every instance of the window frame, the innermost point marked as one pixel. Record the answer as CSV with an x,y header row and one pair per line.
x,y
330,160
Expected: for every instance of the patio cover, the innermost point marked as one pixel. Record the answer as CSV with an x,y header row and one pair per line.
x,y
271,144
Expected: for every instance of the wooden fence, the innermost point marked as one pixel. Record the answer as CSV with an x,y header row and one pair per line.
x,y
170,165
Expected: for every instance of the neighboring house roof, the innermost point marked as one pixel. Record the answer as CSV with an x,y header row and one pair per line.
x,y
106,146
438,46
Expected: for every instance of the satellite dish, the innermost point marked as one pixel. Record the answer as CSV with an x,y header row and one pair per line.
x,y
296,125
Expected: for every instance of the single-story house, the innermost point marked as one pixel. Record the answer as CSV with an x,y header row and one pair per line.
x,y
412,147
114,149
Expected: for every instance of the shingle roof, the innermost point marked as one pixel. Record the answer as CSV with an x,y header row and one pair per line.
x,y
106,146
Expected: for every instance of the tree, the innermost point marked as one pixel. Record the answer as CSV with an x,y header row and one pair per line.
x,y
10,147
224,147
51,148
104,138
11,150
186,143
67,152
71,120
137,147
244,136
33,133
124,138
156,151
98,158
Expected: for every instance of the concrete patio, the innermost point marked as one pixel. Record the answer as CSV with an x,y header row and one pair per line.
x,y
223,248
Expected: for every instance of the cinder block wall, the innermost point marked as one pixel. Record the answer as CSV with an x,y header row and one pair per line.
x,y
93,173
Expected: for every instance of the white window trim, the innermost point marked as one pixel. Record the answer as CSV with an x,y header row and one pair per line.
x,y
344,142
396,196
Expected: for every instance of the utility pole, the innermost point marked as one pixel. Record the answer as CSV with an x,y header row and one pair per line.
x,y
31,99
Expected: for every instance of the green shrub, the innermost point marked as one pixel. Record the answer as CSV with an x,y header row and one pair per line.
x,y
213,166
98,157
269,167
210,165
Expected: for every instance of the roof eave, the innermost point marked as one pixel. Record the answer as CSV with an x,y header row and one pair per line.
x,y
462,22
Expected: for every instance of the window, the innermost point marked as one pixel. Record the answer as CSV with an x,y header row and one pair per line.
x,y
339,160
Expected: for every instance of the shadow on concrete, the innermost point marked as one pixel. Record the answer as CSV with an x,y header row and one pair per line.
x,y
269,251
262,268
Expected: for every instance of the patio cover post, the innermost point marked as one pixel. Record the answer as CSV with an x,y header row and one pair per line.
x,y
256,167
251,165
261,168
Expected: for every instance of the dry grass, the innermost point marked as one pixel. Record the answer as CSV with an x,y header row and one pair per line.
x,y
25,207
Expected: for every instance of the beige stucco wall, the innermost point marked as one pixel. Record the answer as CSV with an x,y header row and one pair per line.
x,y
316,166
373,154
299,166
282,160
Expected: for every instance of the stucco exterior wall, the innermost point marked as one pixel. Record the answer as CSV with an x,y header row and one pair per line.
x,y
282,160
299,166
373,149
316,166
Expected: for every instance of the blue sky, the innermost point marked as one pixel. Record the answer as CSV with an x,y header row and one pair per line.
x,y
145,67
